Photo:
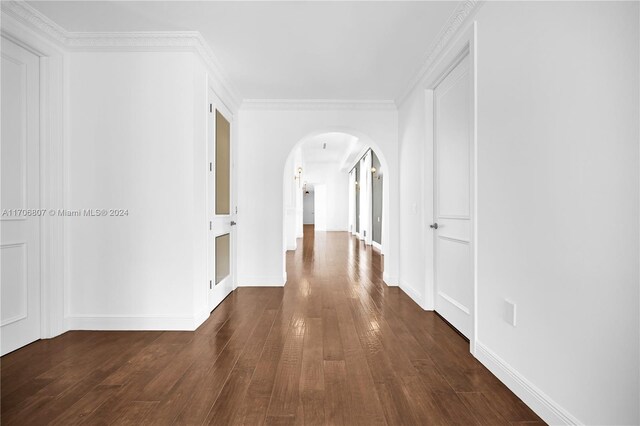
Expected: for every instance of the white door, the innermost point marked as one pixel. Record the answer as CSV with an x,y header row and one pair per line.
x,y
308,207
221,250
453,227
20,198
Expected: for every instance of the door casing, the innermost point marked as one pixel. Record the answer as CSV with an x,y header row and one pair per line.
x,y
52,174
464,45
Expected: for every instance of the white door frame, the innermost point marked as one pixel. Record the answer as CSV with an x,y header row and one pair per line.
x,y
463,45
53,245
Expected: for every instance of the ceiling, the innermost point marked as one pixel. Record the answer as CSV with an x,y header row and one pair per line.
x,y
286,50
327,148
336,149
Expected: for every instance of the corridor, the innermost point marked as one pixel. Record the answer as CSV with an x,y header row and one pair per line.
x,y
334,346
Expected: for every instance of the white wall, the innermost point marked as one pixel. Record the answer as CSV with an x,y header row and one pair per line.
x,y
293,201
336,184
352,201
415,210
266,138
558,204
136,141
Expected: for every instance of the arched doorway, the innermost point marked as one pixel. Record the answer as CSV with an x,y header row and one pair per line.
x,y
325,164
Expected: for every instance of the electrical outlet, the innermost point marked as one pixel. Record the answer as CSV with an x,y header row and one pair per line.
x,y
510,312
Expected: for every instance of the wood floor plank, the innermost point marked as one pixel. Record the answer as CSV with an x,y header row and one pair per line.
x,y
214,379
336,406
312,389
227,404
336,345
285,394
481,408
364,404
135,412
79,411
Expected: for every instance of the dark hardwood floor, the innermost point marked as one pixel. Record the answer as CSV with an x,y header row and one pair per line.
x,y
334,346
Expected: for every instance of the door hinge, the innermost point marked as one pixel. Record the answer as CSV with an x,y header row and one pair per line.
x,y
236,209
210,225
210,284
210,167
210,107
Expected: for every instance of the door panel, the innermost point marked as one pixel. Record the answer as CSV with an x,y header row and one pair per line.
x,y
223,165
453,198
223,257
19,163
221,250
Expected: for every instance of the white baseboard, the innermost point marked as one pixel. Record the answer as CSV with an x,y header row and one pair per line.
x,y
390,280
201,318
134,323
413,294
377,246
550,411
292,247
262,281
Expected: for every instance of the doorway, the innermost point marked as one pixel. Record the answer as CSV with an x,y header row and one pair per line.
x,y
330,166
308,203
454,198
20,231
220,201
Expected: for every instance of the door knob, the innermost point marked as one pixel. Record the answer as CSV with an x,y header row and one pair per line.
x,y
434,226
233,223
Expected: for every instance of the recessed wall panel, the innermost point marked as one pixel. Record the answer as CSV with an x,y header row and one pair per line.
x,y
13,287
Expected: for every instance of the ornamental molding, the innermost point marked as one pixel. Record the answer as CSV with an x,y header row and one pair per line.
x,y
124,41
458,19
317,105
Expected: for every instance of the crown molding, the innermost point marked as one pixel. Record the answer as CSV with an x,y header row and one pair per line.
x,y
463,13
26,14
125,41
317,104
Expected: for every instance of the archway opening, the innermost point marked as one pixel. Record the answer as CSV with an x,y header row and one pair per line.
x,y
335,181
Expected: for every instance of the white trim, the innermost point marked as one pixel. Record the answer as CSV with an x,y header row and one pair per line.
x,y
51,135
128,41
33,19
550,411
454,240
262,281
463,41
136,322
377,246
463,14
292,247
454,302
200,318
413,294
318,104
390,280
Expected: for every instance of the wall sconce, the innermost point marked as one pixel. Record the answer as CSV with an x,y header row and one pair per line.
x,y
374,172
298,176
